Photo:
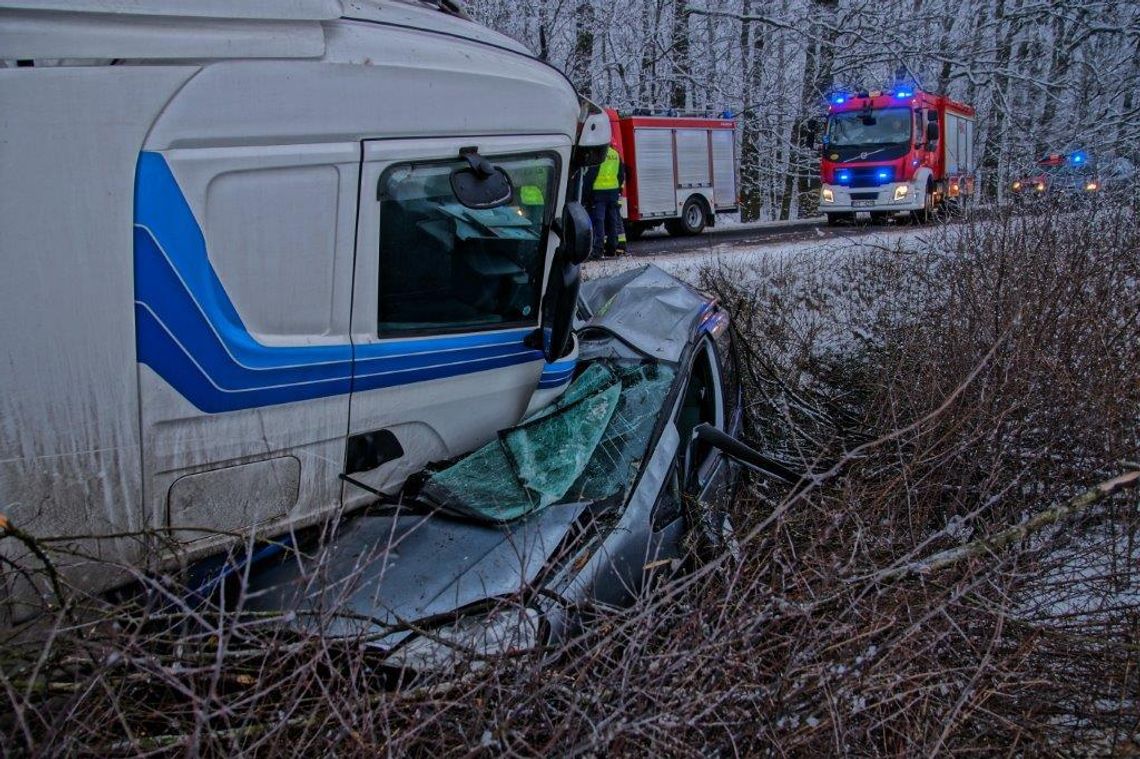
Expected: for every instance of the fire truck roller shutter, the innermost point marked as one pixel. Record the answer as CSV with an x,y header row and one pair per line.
x,y
655,179
724,169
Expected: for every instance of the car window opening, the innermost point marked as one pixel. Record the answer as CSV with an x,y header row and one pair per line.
x,y
698,406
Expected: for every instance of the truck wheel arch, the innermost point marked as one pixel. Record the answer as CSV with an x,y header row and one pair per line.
x,y
924,178
680,227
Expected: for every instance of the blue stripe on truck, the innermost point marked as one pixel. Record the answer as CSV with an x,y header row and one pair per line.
x,y
189,332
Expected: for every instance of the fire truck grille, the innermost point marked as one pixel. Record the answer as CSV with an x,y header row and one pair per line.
x,y
867,177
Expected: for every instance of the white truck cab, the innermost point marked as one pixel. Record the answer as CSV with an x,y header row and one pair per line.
x,y
240,264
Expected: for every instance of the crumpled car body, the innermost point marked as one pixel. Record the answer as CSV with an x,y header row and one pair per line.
x,y
580,506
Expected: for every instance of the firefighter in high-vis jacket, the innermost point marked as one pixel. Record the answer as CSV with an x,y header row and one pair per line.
x,y
603,184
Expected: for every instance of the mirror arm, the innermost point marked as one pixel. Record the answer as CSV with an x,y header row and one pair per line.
x,y
745,454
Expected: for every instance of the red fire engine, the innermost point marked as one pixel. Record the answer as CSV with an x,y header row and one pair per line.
x,y
1059,174
680,171
900,151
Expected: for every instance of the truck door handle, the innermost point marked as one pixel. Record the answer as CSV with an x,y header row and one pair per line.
x,y
369,450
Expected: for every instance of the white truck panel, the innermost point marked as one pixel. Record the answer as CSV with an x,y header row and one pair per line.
x,y
693,163
724,168
69,415
412,14
182,442
279,198
470,87
270,10
656,182
35,35
971,160
958,144
302,200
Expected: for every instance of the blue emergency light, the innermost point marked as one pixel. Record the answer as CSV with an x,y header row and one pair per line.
x,y
904,94
883,175
843,176
1078,158
839,98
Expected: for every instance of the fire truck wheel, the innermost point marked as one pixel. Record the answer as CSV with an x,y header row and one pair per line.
x,y
692,222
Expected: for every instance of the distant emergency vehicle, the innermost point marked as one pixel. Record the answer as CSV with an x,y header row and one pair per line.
x,y
1073,174
894,152
680,171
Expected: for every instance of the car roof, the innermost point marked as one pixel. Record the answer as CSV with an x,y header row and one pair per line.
x,y
648,308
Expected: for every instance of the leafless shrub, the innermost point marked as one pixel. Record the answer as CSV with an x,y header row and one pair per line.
x,y
938,393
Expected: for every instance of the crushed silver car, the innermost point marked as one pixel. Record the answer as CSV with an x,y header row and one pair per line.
x,y
578,506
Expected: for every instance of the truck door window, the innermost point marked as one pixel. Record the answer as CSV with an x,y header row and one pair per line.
x,y
446,267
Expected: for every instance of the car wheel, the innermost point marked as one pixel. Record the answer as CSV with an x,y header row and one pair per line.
x,y
693,219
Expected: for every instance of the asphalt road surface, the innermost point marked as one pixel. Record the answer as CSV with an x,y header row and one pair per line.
x,y
658,241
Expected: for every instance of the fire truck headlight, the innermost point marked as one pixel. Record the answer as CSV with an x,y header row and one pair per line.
x,y
1040,187
1016,186
1092,186
902,191
827,195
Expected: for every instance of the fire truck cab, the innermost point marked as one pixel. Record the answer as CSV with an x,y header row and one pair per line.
x,y
901,151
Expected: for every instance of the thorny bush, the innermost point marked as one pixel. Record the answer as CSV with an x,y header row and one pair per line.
x,y
937,391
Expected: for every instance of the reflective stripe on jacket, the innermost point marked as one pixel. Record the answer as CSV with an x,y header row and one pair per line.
x,y
608,178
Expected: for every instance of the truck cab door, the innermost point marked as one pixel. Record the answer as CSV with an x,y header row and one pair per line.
x,y
446,302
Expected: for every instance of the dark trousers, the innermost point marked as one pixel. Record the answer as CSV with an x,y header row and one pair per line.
x,y
605,213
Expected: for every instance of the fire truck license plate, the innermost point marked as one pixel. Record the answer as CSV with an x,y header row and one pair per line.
x,y
862,203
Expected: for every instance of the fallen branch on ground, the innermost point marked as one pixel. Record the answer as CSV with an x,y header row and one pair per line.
x,y
985,546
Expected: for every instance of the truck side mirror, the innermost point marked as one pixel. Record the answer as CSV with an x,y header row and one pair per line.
x,y
576,231
559,306
481,184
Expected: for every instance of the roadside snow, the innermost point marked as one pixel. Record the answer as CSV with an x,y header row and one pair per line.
x,y
740,256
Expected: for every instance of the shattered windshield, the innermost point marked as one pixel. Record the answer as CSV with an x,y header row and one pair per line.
x,y
588,445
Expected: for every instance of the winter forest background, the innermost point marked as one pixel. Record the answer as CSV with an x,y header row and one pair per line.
x,y
1044,75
